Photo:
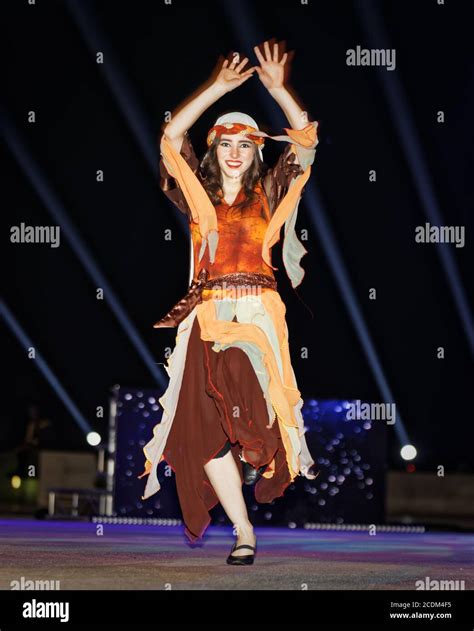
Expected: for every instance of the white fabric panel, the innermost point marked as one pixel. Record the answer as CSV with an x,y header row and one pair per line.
x,y
175,369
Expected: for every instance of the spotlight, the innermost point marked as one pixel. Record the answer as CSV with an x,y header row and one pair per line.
x,y
408,452
15,481
93,438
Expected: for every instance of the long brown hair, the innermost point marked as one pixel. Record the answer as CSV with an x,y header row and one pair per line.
x,y
211,175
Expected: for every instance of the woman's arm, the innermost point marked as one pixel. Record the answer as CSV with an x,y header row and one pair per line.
x,y
271,73
297,118
230,77
278,179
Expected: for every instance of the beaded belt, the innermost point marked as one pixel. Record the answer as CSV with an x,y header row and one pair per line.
x,y
194,296
242,279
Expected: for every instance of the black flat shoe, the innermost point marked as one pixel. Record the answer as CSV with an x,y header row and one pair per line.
x,y
313,471
252,475
245,559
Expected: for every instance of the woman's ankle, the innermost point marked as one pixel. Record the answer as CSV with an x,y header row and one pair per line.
x,y
245,531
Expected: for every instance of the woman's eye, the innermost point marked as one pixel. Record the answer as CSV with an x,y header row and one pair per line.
x,y
245,145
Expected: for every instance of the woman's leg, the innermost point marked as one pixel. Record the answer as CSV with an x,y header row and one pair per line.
x,y
225,479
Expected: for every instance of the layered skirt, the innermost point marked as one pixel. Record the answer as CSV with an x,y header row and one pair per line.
x,y
231,388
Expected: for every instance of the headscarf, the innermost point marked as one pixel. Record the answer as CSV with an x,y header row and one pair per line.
x,y
236,123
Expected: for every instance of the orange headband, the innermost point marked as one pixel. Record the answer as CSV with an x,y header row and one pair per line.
x,y
233,128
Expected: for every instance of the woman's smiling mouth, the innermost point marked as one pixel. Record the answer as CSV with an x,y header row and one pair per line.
x,y
233,164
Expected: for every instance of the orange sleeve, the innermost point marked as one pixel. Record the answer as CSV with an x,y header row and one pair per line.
x,y
170,186
307,136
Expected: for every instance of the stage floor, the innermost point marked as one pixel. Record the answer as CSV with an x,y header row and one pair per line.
x,y
158,557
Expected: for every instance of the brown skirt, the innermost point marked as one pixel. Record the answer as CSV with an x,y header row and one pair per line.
x,y
220,400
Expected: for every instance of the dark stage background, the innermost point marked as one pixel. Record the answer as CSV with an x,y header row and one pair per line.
x,y
155,56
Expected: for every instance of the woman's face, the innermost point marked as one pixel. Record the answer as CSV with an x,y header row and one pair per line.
x,y
235,154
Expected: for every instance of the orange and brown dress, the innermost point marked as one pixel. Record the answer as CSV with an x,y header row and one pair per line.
x,y
232,385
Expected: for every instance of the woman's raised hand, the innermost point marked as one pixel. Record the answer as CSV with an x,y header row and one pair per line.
x,y
271,72
232,74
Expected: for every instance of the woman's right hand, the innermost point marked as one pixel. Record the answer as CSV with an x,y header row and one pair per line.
x,y
231,75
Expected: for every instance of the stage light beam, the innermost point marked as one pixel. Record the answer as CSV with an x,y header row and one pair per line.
x,y
52,203
413,149
41,364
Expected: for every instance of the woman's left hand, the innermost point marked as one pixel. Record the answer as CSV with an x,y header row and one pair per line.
x,y
271,72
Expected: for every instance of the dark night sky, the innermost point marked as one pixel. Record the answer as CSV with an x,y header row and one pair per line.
x,y
164,53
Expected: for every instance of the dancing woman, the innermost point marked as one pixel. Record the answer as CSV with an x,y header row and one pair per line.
x,y
232,410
